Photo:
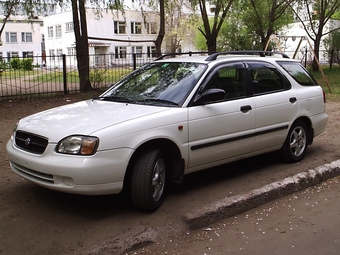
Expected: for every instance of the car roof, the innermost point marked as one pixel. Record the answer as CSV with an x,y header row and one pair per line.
x,y
206,57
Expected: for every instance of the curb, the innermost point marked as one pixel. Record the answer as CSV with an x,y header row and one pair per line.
x,y
231,206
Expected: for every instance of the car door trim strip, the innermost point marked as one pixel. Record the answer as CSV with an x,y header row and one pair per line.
x,y
228,140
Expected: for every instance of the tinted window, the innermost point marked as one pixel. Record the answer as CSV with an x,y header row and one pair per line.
x,y
299,73
265,78
230,79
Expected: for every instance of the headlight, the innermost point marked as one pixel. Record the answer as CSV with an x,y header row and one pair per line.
x,y
78,145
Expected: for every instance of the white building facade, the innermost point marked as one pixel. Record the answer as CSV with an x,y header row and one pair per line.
x,y
294,39
21,39
113,37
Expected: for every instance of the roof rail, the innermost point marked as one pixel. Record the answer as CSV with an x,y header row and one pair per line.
x,y
190,53
246,52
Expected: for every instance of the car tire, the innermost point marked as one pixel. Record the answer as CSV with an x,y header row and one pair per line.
x,y
296,144
148,180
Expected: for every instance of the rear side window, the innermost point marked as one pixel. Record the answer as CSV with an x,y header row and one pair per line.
x,y
299,73
266,78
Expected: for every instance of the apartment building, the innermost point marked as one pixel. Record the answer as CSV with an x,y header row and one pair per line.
x,y
22,37
113,37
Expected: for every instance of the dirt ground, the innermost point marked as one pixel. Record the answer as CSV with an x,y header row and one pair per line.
x,y
30,233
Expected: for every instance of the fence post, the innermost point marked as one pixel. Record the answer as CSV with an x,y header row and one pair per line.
x,y
134,57
64,73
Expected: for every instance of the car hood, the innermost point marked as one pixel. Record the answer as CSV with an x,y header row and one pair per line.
x,y
83,118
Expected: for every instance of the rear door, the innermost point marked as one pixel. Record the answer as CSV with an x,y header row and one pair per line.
x,y
275,102
224,129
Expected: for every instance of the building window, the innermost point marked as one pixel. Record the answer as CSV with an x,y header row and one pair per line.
x,y
12,54
1,57
11,37
50,32
136,28
26,37
69,27
59,53
52,55
71,51
138,50
27,54
58,31
151,51
120,52
119,27
151,28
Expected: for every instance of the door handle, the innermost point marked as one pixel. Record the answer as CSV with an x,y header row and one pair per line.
x,y
292,100
245,108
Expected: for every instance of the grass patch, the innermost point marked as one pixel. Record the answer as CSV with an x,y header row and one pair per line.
x,y
333,78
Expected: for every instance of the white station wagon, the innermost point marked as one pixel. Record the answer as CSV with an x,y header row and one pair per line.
x,y
171,117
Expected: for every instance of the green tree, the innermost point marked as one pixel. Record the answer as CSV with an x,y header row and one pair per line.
x,y
264,18
210,30
315,16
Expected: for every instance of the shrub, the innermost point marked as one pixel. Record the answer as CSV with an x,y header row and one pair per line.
x,y
26,64
15,63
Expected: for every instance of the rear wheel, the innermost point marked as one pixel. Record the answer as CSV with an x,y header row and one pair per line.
x,y
296,144
148,180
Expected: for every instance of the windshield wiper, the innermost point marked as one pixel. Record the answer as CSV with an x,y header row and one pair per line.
x,y
156,101
113,98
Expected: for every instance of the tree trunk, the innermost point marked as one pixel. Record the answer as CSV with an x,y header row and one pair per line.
x,y
317,42
161,33
82,47
211,43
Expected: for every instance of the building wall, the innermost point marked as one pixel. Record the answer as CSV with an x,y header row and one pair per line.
x,y
295,39
19,47
105,37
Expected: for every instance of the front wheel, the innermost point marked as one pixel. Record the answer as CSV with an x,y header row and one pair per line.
x,y
296,144
148,180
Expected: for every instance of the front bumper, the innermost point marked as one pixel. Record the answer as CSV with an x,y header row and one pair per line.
x,y
98,174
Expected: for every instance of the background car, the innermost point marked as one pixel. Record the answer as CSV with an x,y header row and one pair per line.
x,y
169,118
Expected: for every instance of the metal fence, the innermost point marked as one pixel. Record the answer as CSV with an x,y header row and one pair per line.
x,y
50,75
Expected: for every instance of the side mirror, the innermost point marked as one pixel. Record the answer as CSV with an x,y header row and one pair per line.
x,y
209,96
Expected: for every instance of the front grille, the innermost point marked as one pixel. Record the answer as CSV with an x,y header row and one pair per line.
x,y
30,142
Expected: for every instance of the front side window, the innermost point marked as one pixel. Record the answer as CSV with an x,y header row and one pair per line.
x,y
163,84
229,78
136,27
11,37
299,73
26,37
266,78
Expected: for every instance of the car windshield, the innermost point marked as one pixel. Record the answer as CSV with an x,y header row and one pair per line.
x,y
162,83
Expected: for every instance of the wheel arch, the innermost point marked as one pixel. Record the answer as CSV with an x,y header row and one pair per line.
x,y
309,126
172,155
